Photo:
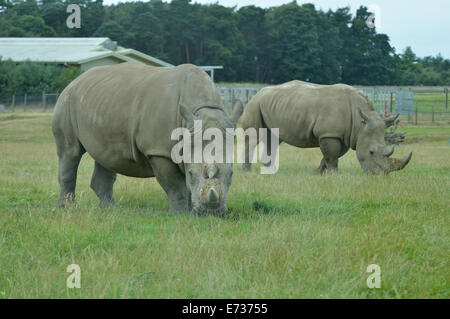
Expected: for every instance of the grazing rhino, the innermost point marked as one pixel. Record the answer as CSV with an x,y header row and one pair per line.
x,y
124,115
333,117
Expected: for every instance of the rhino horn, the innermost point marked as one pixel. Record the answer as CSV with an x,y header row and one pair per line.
x,y
388,151
396,164
211,170
391,119
213,196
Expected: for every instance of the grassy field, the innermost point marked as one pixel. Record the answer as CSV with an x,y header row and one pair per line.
x,y
290,235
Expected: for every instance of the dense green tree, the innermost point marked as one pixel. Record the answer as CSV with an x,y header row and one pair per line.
x,y
112,30
370,59
35,26
251,23
147,33
27,7
253,44
55,16
30,77
293,39
221,42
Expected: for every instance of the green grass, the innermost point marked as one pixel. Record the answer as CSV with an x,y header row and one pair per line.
x,y
430,101
290,235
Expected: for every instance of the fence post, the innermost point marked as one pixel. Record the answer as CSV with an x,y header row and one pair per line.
x,y
409,115
416,114
25,102
43,101
13,102
432,113
390,103
446,99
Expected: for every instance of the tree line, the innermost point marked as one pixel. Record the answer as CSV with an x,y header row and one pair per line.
x,y
253,44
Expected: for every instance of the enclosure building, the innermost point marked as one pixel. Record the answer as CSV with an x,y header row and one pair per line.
x,y
84,53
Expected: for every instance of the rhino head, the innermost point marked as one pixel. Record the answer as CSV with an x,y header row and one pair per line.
x,y
208,183
371,149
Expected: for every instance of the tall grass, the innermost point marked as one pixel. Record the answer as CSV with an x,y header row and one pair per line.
x,y
290,235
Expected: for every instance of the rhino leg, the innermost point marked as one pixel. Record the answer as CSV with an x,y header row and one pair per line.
x,y
248,152
331,149
269,155
102,183
69,158
323,165
173,182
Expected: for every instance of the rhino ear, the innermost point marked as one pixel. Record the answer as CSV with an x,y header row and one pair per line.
x,y
364,116
238,109
188,116
390,120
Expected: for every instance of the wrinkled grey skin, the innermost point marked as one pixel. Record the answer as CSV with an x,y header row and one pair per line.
x,y
124,115
208,184
333,117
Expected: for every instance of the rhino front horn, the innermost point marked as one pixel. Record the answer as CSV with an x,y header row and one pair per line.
x,y
398,164
406,160
213,196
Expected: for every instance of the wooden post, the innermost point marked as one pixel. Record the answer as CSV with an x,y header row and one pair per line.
x,y
446,99
432,113
13,102
43,101
25,102
390,103
416,114
409,115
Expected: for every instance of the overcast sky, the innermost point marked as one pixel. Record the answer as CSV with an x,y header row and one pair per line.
x,y
423,25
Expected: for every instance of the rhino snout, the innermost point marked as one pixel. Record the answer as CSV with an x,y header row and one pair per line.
x,y
211,193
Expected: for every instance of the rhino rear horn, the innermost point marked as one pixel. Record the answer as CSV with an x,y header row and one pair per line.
x,y
388,151
188,116
238,109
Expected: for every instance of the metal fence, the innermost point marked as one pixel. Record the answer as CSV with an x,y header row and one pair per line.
x,y
422,107
229,94
28,102
416,108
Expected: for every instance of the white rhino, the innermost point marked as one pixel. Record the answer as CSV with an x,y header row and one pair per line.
x,y
123,116
333,117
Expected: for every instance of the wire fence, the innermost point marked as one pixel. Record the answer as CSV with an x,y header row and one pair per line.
x,y
422,107
415,108
34,102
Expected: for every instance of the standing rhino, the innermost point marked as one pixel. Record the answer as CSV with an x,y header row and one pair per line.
x,y
332,117
123,116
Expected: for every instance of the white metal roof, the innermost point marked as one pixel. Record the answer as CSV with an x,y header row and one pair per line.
x,y
65,50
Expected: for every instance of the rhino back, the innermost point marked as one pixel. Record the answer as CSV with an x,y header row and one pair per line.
x,y
306,112
126,113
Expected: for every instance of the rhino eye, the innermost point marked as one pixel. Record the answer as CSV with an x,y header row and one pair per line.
x,y
371,152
